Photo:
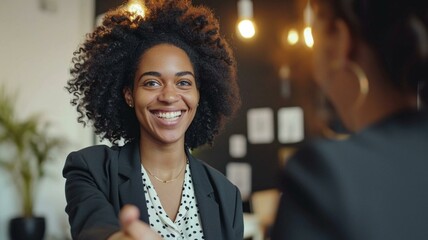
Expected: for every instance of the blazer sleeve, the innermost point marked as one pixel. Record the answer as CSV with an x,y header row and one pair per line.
x,y
309,203
238,222
91,215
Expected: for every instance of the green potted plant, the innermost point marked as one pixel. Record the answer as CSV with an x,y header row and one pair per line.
x,y
25,147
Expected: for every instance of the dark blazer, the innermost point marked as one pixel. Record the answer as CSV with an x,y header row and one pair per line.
x,y
372,186
100,180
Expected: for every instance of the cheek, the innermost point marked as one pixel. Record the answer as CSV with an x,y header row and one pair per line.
x,y
143,99
192,99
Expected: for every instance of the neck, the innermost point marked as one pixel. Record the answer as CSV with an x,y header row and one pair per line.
x,y
377,106
381,101
165,158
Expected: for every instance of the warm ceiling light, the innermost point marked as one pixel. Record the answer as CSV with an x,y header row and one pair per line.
x,y
308,14
136,7
308,19
293,36
309,40
246,26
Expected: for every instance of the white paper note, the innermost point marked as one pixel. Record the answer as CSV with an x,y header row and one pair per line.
x,y
260,125
290,125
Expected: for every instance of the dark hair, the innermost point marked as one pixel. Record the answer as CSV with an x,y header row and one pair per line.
x,y
106,63
397,30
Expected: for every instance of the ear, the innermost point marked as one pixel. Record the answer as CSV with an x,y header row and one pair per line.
x,y
343,42
127,94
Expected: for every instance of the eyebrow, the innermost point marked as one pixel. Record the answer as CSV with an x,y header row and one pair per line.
x,y
157,74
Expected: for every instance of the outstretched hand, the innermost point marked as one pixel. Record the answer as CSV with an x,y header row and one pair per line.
x,y
132,227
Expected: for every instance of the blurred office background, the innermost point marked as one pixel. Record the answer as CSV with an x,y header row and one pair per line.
x,y
281,107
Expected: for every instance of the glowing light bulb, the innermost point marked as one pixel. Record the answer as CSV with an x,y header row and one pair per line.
x,y
309,40
308,14
292,37
246,28
136,8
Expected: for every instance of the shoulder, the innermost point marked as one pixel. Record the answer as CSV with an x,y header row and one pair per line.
x,y
324,165
409,128
214,175
379,144
210,170
320,152
330,167
94,158
96,149
95,152
210,179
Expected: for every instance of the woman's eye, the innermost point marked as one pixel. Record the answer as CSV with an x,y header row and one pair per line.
x,y
151,83
184,83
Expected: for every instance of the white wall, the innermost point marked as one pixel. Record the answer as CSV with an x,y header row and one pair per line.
x,y
36,47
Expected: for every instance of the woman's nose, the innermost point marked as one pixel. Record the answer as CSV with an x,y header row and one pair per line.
x,y
168,94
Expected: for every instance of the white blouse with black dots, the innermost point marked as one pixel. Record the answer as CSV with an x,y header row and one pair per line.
x,y
187,224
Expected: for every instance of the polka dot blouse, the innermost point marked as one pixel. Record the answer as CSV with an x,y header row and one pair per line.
x,y
187,224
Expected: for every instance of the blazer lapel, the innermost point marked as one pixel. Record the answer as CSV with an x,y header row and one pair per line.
x,y
207,205
131,190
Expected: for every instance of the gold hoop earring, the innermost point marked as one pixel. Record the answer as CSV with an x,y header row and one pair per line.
x,y
363,83
329,133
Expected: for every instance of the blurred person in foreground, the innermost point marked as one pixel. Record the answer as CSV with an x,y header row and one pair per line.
x,y
163,83
370,60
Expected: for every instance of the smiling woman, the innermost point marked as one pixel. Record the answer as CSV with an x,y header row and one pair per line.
x,y
164,94
164,83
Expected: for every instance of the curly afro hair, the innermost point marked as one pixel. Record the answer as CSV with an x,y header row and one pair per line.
x,y
107,61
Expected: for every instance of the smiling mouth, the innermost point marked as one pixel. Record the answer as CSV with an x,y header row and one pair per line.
x,y
169,116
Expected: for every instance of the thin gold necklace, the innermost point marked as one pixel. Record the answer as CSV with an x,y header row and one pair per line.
x,y
170,180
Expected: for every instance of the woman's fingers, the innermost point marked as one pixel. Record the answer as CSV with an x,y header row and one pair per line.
x,y
128,214
133,227
139,230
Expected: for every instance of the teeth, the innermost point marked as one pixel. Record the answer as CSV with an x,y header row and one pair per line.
x,y
169,115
